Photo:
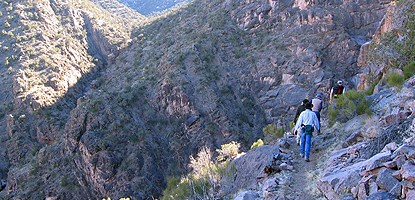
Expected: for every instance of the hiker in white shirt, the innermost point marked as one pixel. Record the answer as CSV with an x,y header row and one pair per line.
x,y
307,122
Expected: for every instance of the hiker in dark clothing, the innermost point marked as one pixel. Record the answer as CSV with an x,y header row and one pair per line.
x,y
337,90
300,109
317,105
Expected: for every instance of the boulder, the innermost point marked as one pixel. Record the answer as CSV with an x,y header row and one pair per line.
x,y
385,180
353,138
381,196
406,149
410,194
347,197
396,190
343,157
377,160
411,140
408,171
392,118
373,187
362,192
338,183
248,167
371,132
390,147
390,164
400,160
269,187
247,195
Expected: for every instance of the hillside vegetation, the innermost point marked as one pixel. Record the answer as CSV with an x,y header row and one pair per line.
x,y
100,101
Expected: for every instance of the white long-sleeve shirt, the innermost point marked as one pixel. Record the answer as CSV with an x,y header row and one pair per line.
x,y
307,117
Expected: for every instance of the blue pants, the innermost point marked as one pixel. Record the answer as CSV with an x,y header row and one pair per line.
x,y
305,144
318,117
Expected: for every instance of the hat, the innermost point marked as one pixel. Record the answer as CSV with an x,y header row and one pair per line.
x,y
339,82
319,95
309,105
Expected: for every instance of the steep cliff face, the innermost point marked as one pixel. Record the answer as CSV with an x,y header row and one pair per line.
x,y
51,53
126,108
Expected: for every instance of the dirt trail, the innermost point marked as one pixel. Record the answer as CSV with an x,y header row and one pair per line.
x,y
302,185
303,179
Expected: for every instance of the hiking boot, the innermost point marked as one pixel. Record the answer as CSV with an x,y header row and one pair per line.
x,y
307,159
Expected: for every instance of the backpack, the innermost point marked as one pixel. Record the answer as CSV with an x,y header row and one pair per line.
x,y
338,89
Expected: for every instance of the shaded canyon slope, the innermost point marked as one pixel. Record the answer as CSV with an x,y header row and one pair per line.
x,y
96,105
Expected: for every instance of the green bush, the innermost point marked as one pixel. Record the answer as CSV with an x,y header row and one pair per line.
x,y
346,106
395,79
176,189
353,95
258,143
186,188
273,131
332,115
409,70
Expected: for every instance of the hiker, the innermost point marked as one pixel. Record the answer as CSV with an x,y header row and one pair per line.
x,y
317,106
337,90
307,122
300,109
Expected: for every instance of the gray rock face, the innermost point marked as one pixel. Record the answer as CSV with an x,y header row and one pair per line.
x,y
384,180
318,18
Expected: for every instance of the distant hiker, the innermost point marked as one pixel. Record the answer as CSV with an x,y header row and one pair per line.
x,y
337,90
300,109
308,122
317,105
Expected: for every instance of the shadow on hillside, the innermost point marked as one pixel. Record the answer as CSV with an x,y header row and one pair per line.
x,y
54,118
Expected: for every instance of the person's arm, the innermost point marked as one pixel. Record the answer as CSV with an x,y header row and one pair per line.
x,y
299,122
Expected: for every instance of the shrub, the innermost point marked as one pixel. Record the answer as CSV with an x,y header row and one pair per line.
x,y
185,188
203,180
332,115
272,130
347,106
258,143
409,70
395,79
228,151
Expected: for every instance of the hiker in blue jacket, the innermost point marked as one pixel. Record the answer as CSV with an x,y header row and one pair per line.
x,y
308,122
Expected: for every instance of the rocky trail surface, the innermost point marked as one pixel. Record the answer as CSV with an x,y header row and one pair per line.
x,y
301,184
